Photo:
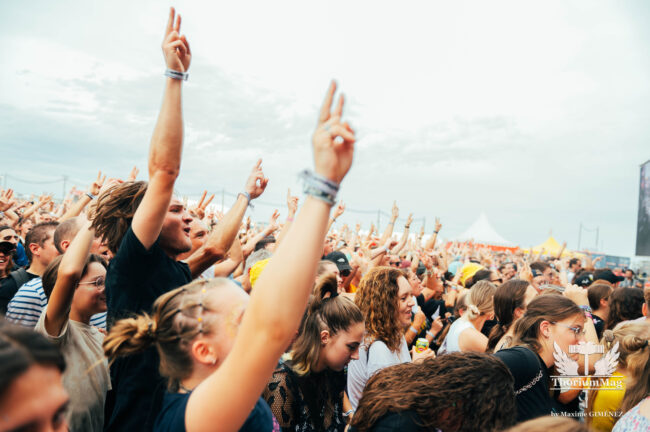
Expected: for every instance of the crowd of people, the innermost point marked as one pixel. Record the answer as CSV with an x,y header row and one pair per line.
x,y
126,310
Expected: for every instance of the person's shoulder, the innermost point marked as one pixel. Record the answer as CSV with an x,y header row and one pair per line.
x,y
517,355
172,414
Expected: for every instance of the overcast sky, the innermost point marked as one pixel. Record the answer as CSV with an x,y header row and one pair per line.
x,y
535,112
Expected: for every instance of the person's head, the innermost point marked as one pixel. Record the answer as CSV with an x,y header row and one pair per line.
x,y
89,296
510,302
624,304
479,301
24,226
8,234
193,327
384,297
331,333
414,281
326,268
454,392
267,243
598,295
637,363
486,275
508,271
542,273
394,261
575,264
629,274
39,243
549,423
254,258
32,396
174,236
341,261
550,319
64,233
645,309
198,236
630,336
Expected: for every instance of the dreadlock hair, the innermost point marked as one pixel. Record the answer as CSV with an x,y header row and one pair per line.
x,y
455,392
624,304
377,298
507,298
327,311
22,348
114,209
177,317
551,307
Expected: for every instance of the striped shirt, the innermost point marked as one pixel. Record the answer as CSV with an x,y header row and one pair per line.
x,y
26,306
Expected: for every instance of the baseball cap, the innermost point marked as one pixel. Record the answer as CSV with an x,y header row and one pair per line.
x,y
341,262
608,275
583,279
7,247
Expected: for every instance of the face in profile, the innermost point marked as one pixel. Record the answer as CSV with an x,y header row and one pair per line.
x,y
175,232
338,349
404,301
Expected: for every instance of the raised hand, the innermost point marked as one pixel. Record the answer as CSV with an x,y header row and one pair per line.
x,y
96,186
175,47
408,221
134,174
256,182
333,141
6,200
199,210
292,204
438,225
395,211
273,222
338,211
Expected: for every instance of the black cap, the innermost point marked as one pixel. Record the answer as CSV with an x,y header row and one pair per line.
x,y
7,247
584,279
608,275
341,262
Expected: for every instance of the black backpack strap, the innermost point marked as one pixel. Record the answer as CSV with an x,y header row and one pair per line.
x,y
19,276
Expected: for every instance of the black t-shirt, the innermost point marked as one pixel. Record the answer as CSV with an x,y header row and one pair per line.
x,y
8,289
406,421
136,277
429,307
600,326
172,415
531,382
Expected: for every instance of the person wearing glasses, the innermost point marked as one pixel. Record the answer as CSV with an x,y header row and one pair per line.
x,y
74,285
550,320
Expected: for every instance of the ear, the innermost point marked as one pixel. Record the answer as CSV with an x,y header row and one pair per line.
x,y
603,303
34,248
64,245
203,352
545,329
644,309
519,312
324,337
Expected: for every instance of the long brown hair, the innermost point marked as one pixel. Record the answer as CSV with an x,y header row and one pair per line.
x,y
624,304
114,209
551,307
457,391
327,311
377,297
638,366
507,298
177,317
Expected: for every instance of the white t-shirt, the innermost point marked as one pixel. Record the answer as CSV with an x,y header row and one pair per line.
x,y
86,376
370,361
450,344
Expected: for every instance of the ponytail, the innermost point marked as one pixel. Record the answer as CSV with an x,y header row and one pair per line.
x,y
479,300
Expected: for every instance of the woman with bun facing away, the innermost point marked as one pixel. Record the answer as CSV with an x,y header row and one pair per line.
x,y
306,390
218,347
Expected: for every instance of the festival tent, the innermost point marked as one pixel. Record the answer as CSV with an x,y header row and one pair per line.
x,y
551,247
481,232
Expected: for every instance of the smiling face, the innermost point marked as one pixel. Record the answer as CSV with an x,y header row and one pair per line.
x,y
416,285
405,302
89,298
339,349
175,232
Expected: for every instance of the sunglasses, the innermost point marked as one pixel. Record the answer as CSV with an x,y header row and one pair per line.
x,y
7,249
98,283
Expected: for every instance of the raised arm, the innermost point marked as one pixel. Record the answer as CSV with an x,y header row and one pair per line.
x,y
431,242
338,211
292,206
92,192
278,302
69,273
221,238
396,250
389,228
167,141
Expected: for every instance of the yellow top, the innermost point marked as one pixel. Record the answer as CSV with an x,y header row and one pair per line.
x,y
607,402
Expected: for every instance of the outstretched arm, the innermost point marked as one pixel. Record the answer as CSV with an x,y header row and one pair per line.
x,y
69,273
167,141
389,228
280,295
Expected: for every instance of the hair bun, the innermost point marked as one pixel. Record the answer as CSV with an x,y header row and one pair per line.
x,y
474,309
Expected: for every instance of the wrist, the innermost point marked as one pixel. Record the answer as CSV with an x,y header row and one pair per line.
x,y
176,75
413,329
247,197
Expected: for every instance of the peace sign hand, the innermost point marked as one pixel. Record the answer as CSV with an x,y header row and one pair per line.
x,y
175,47
333,141
96,186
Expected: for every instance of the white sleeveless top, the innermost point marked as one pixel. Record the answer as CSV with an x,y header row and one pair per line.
x,y
450,344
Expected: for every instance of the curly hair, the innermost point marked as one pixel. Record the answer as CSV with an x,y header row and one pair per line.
x,y
113,212
455,392
624,304
377,297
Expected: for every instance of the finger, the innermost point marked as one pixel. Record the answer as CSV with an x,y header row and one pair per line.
x,y
170,21
187,44
289,193
177,27
99,175
202,198
327,103
258,165
208,201
103,180
338,111
339,130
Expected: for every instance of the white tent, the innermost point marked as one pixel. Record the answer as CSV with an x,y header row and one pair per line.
x,y
481,231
